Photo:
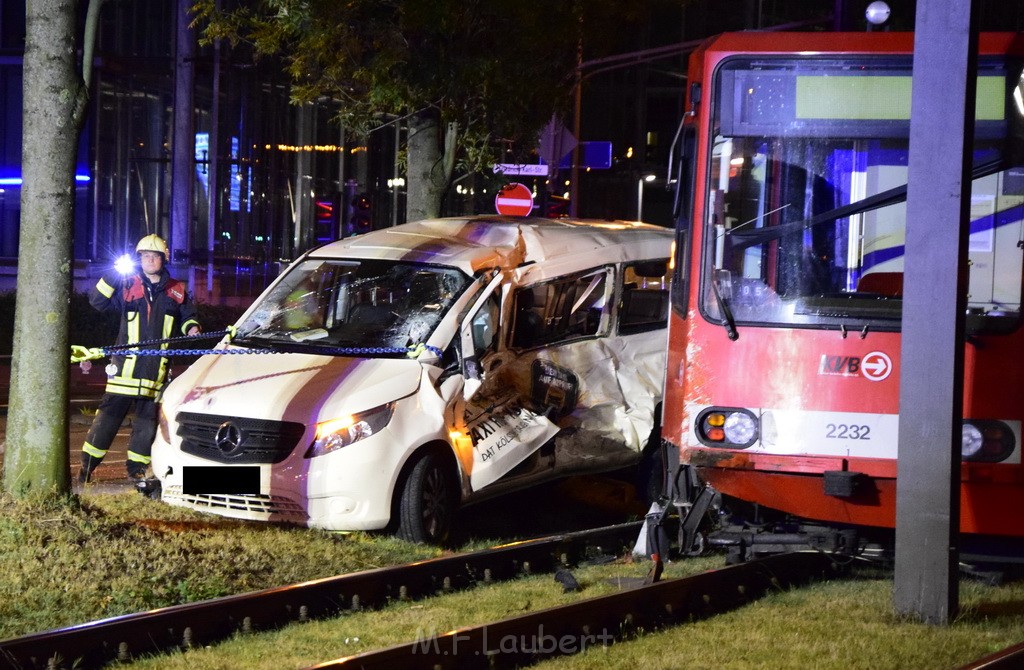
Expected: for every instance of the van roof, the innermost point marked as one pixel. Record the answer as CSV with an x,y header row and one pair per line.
x,y
478,242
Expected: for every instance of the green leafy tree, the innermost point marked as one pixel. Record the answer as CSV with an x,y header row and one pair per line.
x,y
467,75
55,97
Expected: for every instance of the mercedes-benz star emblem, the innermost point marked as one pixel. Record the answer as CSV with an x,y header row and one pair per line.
x,y
228,438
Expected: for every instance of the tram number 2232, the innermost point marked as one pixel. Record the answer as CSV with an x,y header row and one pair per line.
x,y
843,431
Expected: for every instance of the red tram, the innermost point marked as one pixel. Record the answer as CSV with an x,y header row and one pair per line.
x,y
782,386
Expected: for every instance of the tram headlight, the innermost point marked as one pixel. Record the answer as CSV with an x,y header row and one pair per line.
x,y
986,441
740,428
727,427
970,442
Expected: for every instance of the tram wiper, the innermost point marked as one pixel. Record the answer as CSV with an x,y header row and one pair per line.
x,y
728,320
748,238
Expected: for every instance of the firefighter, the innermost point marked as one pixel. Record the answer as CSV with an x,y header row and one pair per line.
x,y
153,306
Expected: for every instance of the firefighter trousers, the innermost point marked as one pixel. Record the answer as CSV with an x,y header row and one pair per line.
x,y
112,412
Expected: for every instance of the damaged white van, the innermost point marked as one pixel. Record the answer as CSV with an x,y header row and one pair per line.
x,y
385,379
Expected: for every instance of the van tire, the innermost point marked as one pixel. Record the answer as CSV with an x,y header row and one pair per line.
x,y
426,506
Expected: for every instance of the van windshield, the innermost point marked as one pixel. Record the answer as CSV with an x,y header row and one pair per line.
x,y
358,304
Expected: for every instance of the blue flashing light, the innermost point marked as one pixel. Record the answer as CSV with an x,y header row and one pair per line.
x,y
17,181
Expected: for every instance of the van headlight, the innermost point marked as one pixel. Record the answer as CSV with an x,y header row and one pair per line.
x,y
343,431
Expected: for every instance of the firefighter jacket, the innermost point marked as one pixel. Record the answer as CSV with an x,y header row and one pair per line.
x,y
149,311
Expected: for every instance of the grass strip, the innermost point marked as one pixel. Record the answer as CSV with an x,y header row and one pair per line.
x,y
81,560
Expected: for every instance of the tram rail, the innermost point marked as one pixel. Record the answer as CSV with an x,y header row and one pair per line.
x,y
97,643
1010,658
569,629
508,643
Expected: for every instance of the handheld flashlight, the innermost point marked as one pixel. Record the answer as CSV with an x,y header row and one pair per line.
x,y
125,264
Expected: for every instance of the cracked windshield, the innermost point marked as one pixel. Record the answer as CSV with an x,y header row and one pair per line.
x,y
807,199
358,304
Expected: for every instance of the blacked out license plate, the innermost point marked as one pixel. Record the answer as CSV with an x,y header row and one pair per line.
x,y
212,479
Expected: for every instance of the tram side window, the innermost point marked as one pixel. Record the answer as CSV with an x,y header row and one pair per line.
x,y
561,310
645,297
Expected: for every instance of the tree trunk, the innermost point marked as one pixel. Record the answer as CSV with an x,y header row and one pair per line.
x,y
36,459
430,169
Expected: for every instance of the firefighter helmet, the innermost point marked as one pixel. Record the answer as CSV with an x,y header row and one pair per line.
x,y
152,242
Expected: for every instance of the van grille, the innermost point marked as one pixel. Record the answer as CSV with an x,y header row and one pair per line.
x,y
279,507
230,439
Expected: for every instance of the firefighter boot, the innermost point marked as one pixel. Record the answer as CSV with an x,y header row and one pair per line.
x,y
144,482
89,464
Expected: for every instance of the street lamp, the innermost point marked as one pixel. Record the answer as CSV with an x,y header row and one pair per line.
x,y
640,195
877,13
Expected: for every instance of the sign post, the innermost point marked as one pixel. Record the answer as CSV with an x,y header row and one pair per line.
x,y
514,200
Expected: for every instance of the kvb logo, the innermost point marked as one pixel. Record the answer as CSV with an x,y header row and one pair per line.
x,y
874,366
843,366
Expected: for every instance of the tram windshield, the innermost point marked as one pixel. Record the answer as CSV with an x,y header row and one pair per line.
x,y
806,210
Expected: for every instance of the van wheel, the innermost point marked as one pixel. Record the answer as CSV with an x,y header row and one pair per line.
x,y
427,503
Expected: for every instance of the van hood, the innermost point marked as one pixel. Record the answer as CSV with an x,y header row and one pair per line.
x,y
290,386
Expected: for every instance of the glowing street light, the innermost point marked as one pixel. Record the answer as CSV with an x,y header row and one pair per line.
x,y
640,195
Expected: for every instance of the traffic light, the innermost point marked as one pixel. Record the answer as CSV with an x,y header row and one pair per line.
x,y
360,215
326,221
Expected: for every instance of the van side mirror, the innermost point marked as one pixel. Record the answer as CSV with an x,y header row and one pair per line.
x,y
482,334
483,330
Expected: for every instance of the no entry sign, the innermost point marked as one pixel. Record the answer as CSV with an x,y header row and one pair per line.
x,y
514,200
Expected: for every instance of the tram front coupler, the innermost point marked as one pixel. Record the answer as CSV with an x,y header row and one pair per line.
x,y
687,512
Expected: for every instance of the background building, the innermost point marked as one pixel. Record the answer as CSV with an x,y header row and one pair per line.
x,y
270,179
